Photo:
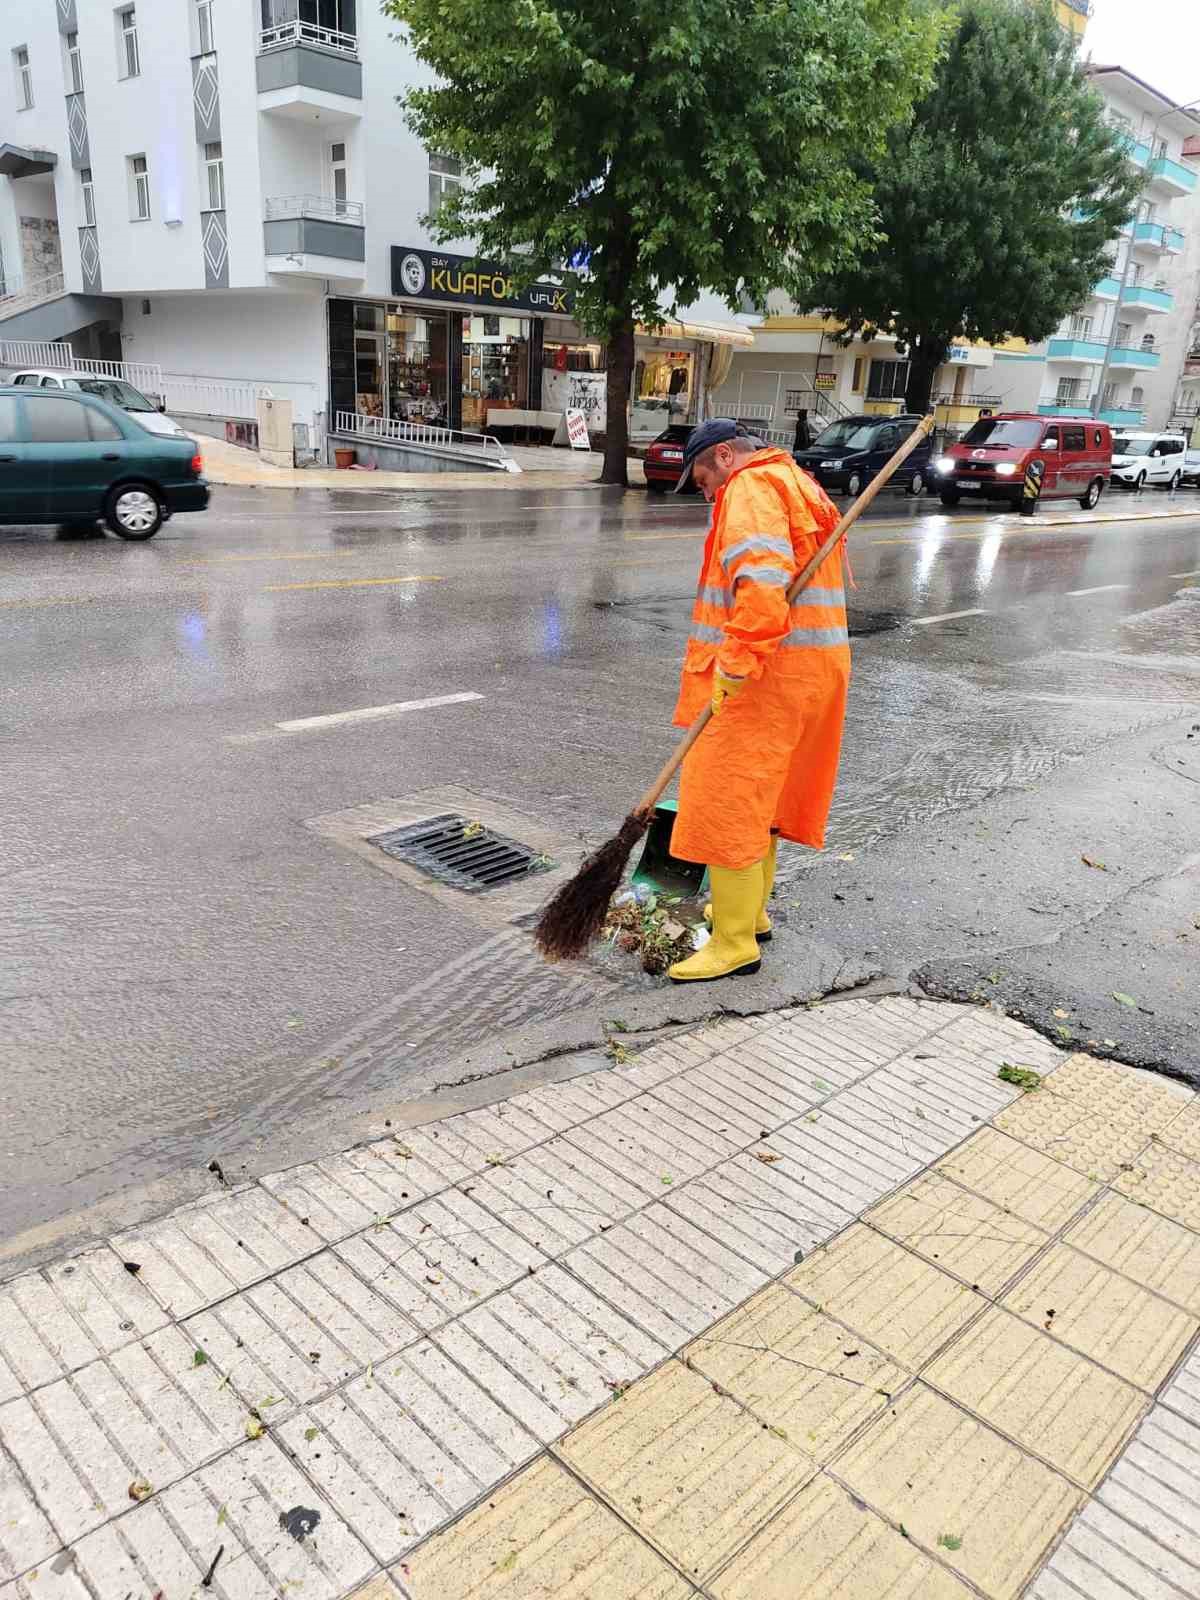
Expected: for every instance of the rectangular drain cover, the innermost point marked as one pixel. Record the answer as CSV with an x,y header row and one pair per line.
x,y
462,853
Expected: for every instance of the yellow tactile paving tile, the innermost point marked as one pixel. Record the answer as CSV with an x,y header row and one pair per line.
x,y
1031,1185
1152,1250
1166,1181
797,1369
903,1305
1109,1089
1041,1394
540,1537
686,1467
960,1232
1059,1126
824,1547
1183,1133
1102,1315
957,1487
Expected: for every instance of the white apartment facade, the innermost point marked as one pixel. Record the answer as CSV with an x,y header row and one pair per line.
x,y
227,190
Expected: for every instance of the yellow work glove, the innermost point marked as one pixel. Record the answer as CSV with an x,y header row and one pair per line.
x,y
724,689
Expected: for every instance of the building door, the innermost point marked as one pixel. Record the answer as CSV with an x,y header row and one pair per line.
x,y
370,374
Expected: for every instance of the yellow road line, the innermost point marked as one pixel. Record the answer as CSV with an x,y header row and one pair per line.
x,y
688,533
347,583
54,600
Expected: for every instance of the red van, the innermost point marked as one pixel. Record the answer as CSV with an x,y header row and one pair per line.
x,y
989,462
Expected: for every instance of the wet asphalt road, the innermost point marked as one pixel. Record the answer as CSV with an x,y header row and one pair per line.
x,y
184,956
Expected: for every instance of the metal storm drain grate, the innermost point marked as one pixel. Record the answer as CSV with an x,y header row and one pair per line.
x,y
462,853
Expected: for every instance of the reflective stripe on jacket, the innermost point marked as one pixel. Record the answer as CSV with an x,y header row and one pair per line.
x,y
769,518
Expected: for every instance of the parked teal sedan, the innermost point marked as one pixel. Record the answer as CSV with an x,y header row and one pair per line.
x,y
75,458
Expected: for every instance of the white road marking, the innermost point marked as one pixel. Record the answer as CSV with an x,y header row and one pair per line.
x,y
949,616
1101,588
368,713
1195,574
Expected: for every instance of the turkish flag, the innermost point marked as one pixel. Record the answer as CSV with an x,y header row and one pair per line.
x,y
560,359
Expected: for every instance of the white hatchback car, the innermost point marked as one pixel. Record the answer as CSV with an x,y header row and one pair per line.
x,y
115,390
1141,458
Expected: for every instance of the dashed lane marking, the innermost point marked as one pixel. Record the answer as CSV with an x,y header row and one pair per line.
x,y
335,719
1101,588
950,616
347,583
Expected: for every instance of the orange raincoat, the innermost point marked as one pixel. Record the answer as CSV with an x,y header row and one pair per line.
x,y
768,762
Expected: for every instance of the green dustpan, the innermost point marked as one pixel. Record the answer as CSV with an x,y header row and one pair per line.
x,y
664,874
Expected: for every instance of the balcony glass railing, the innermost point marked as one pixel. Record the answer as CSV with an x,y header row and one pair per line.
x,y
1107,289
1172,239
1126,355
284,208
297,32
1171,172
1137,294
1075,350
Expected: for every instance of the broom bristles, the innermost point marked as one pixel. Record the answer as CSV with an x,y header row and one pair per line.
x,y
573,919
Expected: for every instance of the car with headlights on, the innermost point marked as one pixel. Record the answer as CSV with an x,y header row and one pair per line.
x,y
990,461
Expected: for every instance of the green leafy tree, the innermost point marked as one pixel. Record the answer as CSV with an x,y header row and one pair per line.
x,y
665,148
998,200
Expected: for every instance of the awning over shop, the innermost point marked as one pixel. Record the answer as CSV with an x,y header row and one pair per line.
x,y
709,332
17,162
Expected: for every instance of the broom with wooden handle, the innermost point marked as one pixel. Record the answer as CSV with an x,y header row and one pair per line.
x,y
574,917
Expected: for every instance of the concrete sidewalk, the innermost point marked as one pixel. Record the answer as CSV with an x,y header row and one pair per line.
x,y
230,465
810,1304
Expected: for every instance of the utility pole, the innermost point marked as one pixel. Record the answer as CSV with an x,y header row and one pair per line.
x,y
1110,345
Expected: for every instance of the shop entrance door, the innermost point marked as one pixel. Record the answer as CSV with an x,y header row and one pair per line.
x,y
370,374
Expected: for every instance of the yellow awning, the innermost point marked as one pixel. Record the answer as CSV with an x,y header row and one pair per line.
x,y
710,332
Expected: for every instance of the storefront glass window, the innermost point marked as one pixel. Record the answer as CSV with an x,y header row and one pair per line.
x,y
662,389
417,365
495,369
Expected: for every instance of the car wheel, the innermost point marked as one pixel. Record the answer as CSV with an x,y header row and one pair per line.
x,y
916,483
133,511
1139,482
949,498
1091,499
655,488
854,485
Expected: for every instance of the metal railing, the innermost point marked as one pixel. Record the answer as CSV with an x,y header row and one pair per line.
x,y
427,435
284,208
20,296
144,375
297,32
198,395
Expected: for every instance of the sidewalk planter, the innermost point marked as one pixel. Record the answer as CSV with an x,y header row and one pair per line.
x,y
343,457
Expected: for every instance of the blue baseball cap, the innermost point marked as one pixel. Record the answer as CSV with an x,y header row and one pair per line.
x,y
717,430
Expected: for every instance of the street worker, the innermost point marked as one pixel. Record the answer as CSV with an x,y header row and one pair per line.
x,y
776,677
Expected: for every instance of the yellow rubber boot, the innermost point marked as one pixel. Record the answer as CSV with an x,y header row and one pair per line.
x,y
762,927
733,949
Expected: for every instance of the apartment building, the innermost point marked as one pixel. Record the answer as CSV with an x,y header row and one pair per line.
x,y
226,190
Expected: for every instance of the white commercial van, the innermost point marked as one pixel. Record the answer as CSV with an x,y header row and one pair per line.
x,y
1141,457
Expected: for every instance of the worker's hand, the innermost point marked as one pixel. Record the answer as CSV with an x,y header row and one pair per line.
x,y
724,689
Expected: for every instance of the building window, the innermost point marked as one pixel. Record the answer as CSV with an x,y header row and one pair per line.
x,y
214,176
129,61
1124,332
339,176
1068,391
74,64
445,178
1137,398
204,27
139,189
1081,327
1108,395
856,381
888,380
24,76
87,198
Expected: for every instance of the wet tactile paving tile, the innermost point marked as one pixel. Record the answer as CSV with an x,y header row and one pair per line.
x,y
1058,1126
1031,1185
905,1306
1167,1182
440,1258
1152,1250
1140,1536
733,1099
1103,1315
287,1342
1115,1092
549,1350
1182,1133
826,1546
280,1537
962,1233
1182,1394
672,1278
686,1468
960,1490
206,1251
540,1535
26,1537
797,1370
1050,1400
55,1321
399,1451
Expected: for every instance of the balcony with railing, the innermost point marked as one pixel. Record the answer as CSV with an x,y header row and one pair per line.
x,y
1172,176
1156,237
314,236
1090,352
304,65
1144,297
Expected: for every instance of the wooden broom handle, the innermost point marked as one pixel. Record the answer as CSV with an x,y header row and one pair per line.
x,y
673,763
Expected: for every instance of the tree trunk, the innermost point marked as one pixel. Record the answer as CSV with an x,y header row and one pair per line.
x,y
924,358
616,424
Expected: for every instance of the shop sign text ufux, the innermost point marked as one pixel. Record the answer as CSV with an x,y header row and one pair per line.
x,y
434,275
